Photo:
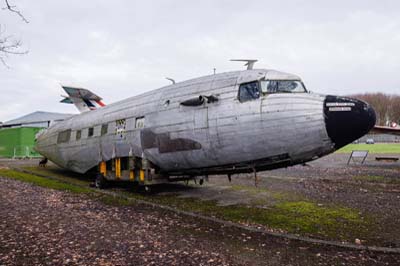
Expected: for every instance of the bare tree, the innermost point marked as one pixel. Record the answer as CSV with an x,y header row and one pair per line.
x,y
386,106
9,45
394,112
14,9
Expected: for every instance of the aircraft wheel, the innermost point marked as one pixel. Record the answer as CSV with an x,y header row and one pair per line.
x,y
147,189
100,181
201,182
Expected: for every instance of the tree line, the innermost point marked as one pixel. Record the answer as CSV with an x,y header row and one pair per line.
x,y
386,106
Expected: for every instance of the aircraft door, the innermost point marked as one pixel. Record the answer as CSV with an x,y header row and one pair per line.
x,y
201,118
106,143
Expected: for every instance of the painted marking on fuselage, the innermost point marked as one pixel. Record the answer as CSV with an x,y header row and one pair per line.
x,y
165,144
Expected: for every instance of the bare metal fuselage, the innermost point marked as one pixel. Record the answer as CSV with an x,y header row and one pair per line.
x,y
225,136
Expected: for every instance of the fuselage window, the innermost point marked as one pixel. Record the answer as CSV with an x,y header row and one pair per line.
x,y
249,91
104,129
78,134
120,128
139,122
90,132
64,136
276,86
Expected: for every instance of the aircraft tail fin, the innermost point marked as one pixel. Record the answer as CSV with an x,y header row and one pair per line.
x,y
83,99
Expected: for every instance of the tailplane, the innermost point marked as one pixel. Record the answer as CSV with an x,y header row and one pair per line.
x,y
83,99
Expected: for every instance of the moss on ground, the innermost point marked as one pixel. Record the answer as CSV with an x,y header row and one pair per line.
x,y
299,217
308,217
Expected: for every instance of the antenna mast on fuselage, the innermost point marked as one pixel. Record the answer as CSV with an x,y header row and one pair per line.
x,y
171,79
249,62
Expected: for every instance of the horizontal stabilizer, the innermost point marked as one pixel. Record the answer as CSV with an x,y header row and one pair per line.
x,y
66,100
83,99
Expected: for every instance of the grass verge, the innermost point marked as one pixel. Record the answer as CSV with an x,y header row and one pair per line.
x,y
43,182
70,177
63,186
372,148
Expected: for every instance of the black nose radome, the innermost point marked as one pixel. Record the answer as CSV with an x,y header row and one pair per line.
x,y
347,119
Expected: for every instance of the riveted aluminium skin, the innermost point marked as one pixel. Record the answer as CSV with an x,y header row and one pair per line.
x,y
273,131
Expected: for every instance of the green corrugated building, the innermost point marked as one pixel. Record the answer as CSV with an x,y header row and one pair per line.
x,y
17,136
18,142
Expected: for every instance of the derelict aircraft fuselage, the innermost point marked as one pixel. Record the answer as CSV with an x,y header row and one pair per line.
x,y
225,123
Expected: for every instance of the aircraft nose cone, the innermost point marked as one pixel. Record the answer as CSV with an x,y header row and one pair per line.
x,y
347,119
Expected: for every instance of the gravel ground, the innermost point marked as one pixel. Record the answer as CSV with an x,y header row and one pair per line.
x,y
41,226
46,227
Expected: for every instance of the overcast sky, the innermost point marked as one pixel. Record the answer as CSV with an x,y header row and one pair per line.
x,y
121,48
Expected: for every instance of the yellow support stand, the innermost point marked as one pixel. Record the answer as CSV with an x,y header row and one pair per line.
x,y
103,168
117,167
141,176
131,175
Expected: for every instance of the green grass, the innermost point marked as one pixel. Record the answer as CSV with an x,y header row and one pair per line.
x,y
60,185
42,182
308,217
68,176
372,148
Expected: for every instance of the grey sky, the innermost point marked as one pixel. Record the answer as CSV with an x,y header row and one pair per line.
x,y
122,48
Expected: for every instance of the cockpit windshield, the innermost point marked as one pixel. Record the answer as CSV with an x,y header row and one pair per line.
x,y
276,86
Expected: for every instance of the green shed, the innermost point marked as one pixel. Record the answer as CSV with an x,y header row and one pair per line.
x,y
17,136
18,142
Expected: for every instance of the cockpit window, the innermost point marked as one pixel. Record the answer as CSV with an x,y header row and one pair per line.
x,y
249,91
275,86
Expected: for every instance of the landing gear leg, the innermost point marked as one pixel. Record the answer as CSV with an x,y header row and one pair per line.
x,y
255,177
229,178
100,181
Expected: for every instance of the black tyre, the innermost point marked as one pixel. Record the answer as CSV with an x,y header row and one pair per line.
x,y
100,181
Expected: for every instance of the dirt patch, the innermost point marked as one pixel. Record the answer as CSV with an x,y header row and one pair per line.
x,y
46,227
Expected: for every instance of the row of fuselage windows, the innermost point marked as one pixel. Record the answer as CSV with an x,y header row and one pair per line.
x,y
65,136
